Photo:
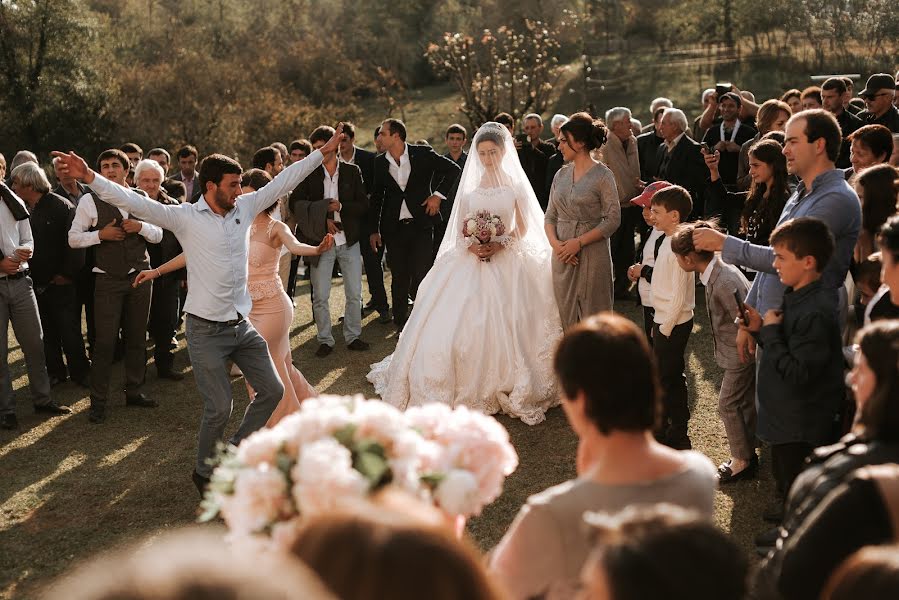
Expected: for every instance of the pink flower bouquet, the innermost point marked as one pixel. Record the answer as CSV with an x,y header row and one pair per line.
x,y
481,227
335,451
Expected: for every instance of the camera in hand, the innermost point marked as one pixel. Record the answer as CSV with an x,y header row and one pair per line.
x,y
522,137
722,88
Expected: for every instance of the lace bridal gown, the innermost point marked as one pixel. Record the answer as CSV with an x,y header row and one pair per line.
x,y
482,334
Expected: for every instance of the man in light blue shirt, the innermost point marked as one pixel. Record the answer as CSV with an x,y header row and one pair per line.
x,y
213,234
812,146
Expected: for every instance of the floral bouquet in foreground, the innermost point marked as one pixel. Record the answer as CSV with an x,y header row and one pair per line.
x,y
481,227
336,450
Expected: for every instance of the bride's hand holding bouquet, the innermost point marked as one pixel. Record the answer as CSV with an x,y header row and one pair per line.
x,y
483,230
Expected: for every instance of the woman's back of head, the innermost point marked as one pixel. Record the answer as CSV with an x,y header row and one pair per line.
x,y
607,359
190,566
383,555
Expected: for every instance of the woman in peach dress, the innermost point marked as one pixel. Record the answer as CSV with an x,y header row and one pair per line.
x,y
272,312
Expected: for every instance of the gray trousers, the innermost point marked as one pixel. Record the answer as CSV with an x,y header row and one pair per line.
x,y
736,407
118,304
210,345
19,305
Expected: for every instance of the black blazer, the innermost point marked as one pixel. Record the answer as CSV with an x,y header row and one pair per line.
x,y
365,160
427,169
647,149
196,192
350,193
686,168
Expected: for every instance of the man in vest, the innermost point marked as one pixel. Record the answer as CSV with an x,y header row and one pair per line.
x,y
120,253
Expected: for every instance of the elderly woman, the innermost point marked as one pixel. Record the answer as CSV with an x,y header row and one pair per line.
x,y
619,461
818,531
582,215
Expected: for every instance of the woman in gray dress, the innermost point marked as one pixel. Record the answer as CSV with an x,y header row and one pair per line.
x,y
582,215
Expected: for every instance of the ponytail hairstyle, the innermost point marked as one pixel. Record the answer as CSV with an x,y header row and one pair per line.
x,y
583,128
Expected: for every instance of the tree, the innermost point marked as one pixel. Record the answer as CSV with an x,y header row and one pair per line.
x,y
511,71
54,93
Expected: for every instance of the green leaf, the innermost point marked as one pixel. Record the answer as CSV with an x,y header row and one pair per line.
x,y
345,435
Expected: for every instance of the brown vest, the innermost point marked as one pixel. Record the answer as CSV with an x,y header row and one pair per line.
x,y
118,258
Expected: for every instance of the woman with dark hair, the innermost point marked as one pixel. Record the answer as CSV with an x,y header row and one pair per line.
x,y
772,116
368,556
793,99
813,542
878,190
690,557
870,145
582,215
759,209
610,394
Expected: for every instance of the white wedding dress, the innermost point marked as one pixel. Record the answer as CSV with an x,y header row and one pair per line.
x,y
482,334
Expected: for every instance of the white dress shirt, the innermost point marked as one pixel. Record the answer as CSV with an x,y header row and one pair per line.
x,y
215,247
81,236
673,290
331,192
14,234
400,173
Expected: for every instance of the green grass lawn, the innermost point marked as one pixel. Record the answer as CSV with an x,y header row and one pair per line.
x,y
71,489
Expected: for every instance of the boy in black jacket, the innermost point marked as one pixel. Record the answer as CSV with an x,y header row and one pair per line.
x,y
800,378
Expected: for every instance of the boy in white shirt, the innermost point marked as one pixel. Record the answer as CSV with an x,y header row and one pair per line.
x,y
673,299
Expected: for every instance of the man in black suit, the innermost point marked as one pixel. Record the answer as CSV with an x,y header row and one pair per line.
x,y
648,148
404,211
351,154
679,158
187,173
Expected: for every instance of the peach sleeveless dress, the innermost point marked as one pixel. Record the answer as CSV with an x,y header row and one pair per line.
x,y
272,316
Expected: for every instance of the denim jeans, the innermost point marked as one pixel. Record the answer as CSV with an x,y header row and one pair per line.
x,y
350,260
210,345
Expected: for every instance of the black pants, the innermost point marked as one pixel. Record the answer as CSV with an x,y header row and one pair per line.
x,y
163,321
622,245
292,277
439,230
61,322
410,253
649,314
374,274
669,353
787,462
84,288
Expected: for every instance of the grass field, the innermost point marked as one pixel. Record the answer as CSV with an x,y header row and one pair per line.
x,y
69,489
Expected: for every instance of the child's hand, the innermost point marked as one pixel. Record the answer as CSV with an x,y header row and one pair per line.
x,y
633,272
774,317
755,320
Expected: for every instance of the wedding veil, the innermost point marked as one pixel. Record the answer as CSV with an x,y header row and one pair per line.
x,y
525,232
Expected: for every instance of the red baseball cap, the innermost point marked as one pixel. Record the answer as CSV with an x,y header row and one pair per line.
x,y
644,199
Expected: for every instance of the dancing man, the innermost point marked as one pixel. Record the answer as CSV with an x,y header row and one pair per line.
x,y
213,234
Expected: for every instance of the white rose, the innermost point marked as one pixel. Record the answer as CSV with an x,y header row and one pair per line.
x,y
259,499
471,227
458,494
325,478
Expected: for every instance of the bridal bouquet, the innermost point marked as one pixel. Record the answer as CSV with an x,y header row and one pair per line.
x,y
336,450
481,227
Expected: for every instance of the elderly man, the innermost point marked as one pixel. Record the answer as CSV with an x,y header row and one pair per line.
x,y
54,268
120,252
175,189
620,155
679,158
18,305
654,106
163,320
878,95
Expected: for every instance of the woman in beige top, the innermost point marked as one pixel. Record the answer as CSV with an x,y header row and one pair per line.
x,y
582,215
619,462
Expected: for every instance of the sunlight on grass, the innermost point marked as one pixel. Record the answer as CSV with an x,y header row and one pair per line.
x,y
35,434
329,379
28,496
113,458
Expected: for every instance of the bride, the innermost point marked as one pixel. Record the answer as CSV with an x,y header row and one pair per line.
x,y
485,323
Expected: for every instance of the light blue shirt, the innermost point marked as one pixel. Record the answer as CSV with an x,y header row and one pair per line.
x,y
215,247
833,201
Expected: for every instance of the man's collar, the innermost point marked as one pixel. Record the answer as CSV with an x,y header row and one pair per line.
x,y
706,275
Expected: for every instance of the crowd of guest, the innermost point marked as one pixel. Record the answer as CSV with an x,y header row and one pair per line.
x,y
783,212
